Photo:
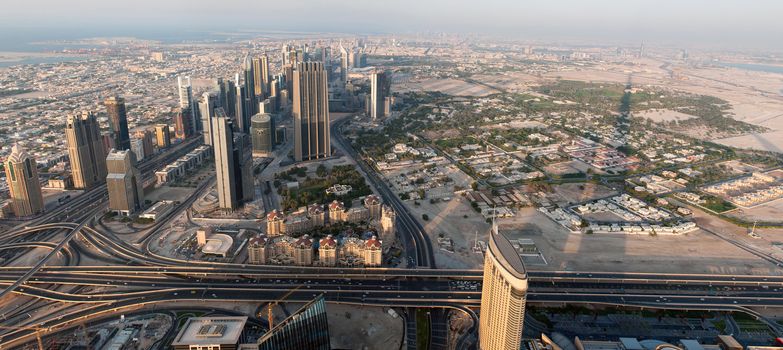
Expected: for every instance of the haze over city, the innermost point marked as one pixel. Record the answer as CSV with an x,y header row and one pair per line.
x,y
482,175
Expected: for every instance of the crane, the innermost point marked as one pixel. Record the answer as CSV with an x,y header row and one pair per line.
x,y
36,329
270,316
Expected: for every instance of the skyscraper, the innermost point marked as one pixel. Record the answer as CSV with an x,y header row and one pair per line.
x,y
24,186
118,122
145,135
250,91
86,151
162,135
311,112
262,134
123,181
503,295
222,144
265,76
306,329
182,123
209,102
379,90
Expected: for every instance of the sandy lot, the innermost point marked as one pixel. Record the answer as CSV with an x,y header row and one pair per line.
x,y
356,327
577,193
697,252
447,86
772,211
662,115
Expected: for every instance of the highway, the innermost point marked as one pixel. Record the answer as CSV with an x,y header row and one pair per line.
x,y
411,233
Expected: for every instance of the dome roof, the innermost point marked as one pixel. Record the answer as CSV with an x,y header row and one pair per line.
x,y
335,205
328,241
258,240
304,241
373,243
274,215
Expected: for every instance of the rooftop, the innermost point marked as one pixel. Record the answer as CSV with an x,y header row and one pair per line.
x,y
210,330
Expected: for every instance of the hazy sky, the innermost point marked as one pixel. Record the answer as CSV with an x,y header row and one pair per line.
x,y
749,23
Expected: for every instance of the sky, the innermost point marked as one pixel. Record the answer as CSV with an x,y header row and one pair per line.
x,y
726,23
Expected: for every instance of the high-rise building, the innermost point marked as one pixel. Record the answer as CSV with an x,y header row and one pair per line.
x,y
250,91
209,102
223,146
233,163
86,151
503,295
182,123
228,99
24,186
265,74
306,329
162,135
118,122
258,81
262,133
137,147
379,90
126,194
311,112
185,117
146,137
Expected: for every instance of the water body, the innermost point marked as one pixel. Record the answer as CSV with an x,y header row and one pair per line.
x,y
40,60
755,67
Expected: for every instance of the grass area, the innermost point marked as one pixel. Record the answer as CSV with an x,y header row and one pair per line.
x,y
717,205
720,325
313,189
422,329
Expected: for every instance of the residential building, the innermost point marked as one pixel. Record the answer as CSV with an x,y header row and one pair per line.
x,y
118,122
24,186
86,150
310,112
126,194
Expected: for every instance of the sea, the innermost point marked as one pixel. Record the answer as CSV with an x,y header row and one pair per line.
x,y
754,67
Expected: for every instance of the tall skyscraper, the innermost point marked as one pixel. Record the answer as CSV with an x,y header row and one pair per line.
x,y
209,102
262,134
250,91
243,161
379,90
24,186
311,112
503,295
222,144
344,57
118,122
146,137
182,123
185,92
86,151
265,74
162,135
123,181
258,82
306,329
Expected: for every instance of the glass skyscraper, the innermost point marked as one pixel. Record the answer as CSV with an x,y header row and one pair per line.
x,y
307,329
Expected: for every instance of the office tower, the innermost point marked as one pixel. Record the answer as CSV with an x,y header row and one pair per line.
x,y
503,295
228,98
240,106
250,91
343,65
262,131
274,93
355,60
182,123
137,147
265,107
284,55
258,82
311,112
306,329
243,161
126,194
209,102
162,135
265,74
85,150
145,135
118,122
224,160
187,106
24,186
379,90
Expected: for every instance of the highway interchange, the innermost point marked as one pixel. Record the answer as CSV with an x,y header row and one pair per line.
x,y
133,277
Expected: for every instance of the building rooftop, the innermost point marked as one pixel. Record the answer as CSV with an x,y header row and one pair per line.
x,y
211,330
218,244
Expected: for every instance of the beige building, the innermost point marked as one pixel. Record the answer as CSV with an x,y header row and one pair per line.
x,y
338,213
303,251
126,194
24,186
373,204
274,223
280,250
147,147
163,135
311,112
86,151
388,219
503,295
327,251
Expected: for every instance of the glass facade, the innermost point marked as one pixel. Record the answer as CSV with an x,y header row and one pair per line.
x,y
307,329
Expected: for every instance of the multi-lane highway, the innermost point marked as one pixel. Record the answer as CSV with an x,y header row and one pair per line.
x,y
410,231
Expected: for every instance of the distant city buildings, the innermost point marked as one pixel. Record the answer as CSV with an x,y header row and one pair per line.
x,y
86,150
126,194
118,122
24,186
310,112
503,295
